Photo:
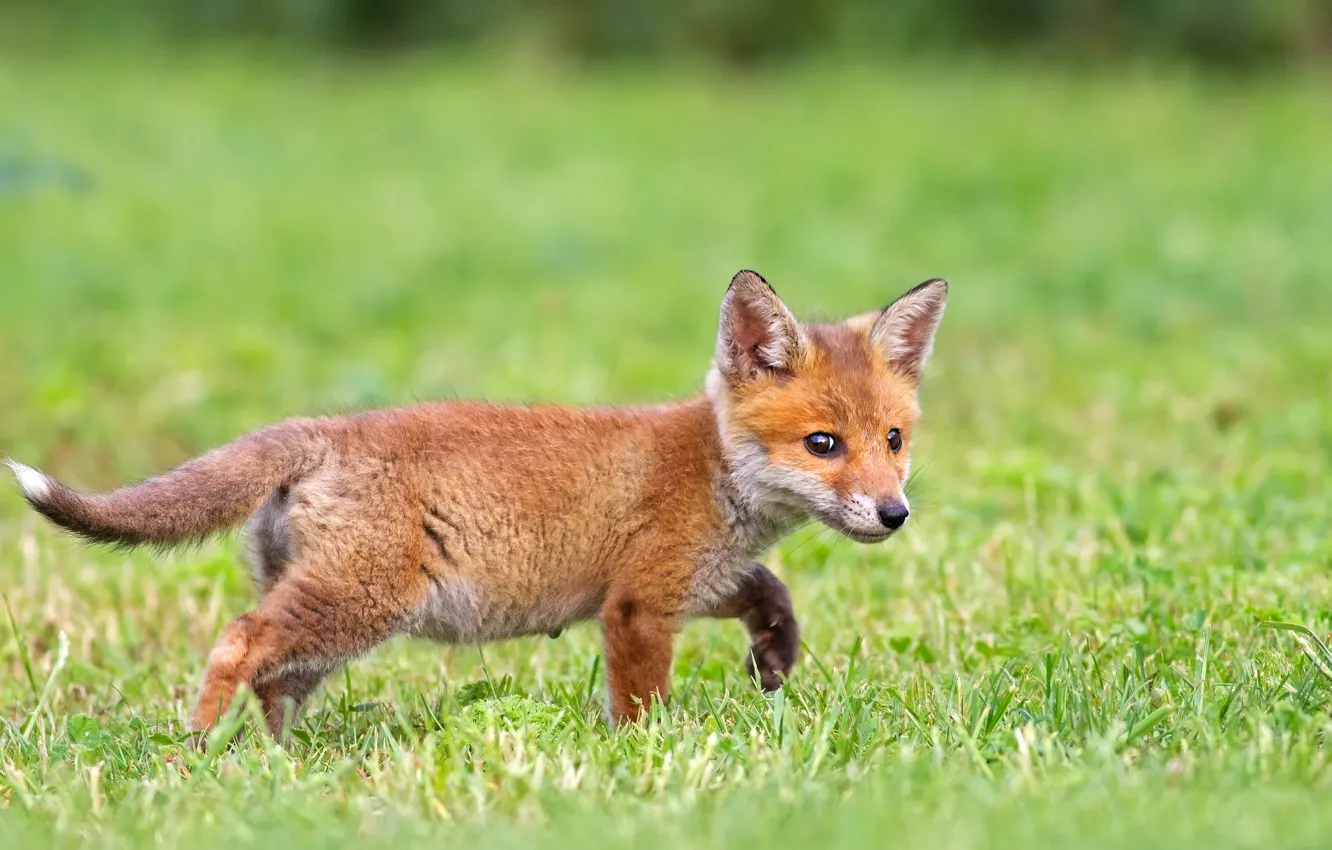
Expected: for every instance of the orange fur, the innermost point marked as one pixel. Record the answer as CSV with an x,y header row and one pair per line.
x,y
465,522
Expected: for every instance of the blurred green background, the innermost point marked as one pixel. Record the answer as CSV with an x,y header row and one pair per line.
x,y
1235,33
217,214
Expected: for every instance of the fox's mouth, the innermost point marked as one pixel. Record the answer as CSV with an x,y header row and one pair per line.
x,y
867,537
858,534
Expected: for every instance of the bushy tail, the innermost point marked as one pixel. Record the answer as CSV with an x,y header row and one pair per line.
x,y
212,492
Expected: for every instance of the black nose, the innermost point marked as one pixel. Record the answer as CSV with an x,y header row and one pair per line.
x,y
893,514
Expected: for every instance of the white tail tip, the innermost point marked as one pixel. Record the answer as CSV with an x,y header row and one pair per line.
x,y
35,484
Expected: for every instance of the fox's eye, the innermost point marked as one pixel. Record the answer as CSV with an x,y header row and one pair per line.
x,y
895,440
821,444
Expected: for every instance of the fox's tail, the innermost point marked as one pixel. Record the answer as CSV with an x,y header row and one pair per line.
x,y
209,493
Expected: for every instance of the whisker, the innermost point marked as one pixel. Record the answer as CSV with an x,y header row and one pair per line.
x,y
817,537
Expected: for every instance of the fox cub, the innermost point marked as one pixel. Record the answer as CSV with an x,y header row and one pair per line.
x,y
467,522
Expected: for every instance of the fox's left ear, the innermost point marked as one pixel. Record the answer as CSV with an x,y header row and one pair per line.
x,y
757,334
904,330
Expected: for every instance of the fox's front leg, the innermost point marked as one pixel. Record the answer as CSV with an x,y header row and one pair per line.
x,y
763,604
639,628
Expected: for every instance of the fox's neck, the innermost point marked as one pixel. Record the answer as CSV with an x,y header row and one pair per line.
x,y
756,515
755,525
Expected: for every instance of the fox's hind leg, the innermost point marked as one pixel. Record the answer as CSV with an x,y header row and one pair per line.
x,y
763,604
341,573
309,624
283,696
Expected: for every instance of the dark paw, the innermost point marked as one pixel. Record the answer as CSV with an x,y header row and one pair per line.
x,y
774,652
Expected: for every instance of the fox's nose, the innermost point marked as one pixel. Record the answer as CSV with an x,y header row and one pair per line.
x,y
893,514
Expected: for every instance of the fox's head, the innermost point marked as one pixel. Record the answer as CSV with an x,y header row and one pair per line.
x,y
818,419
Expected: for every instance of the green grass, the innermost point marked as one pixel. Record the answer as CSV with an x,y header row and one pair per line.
x,y
1126,455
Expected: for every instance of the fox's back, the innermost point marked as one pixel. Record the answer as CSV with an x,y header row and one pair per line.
x,y
516,514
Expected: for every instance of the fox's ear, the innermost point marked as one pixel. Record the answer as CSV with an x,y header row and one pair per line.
x,y
758,333
904,330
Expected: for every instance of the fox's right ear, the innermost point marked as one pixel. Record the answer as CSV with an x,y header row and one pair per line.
x,y
758,334
904,330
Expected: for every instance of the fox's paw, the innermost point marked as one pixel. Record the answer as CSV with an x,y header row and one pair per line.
x,y
773,655
773,629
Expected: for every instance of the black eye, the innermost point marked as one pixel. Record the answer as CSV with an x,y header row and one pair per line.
x,y
895,440
821,444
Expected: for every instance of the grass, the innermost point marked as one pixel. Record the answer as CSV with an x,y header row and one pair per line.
x,y
1125,461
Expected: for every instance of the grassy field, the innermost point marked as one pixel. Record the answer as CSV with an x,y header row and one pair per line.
x,y
1126,456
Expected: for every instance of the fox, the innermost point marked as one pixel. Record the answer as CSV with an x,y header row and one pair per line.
x,y
468,522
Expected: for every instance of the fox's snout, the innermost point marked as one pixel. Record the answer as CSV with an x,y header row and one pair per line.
x,y
863,516
893,514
